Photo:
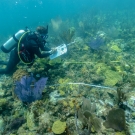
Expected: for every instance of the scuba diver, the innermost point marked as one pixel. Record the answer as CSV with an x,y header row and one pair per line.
x,y
24,45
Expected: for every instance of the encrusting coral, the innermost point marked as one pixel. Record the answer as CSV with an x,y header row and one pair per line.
x,y
3,102
58,127
116,48
112,78
19,74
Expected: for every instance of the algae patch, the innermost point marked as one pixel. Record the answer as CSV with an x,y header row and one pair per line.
x,y
112,78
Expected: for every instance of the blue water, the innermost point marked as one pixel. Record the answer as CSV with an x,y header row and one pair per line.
x,y
16,14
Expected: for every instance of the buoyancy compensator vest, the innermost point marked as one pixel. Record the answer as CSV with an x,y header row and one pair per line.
x,y
12,42
23,53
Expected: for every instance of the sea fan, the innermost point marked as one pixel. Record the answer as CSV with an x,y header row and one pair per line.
x,y
28,90
95,43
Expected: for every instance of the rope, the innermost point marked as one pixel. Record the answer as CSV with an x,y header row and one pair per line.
x,y
85,84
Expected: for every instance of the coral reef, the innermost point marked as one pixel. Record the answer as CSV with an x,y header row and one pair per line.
x,y
19,74
104,75
3,102
116,120
98,40
112,78
16,123
67,35
28,90
2,125
121,96
87,115
58,127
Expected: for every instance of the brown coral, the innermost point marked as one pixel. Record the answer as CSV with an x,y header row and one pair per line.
x,y
18,74
87,116
116,120
67,35
121,96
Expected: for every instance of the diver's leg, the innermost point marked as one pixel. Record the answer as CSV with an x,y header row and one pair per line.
x,y
13,61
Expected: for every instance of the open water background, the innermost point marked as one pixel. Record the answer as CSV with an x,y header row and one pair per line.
x,y
16,14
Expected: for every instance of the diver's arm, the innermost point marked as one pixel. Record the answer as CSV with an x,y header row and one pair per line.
x,y
47,51
39,54
44,47
35,49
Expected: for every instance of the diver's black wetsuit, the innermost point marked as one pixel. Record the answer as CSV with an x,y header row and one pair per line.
x,y
32,45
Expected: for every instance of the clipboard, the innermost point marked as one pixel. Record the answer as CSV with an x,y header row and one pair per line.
x,y
62,49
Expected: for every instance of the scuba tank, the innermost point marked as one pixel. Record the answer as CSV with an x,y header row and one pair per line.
x,y
12,42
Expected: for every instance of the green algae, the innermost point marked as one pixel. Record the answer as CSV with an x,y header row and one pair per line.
x,y
112,78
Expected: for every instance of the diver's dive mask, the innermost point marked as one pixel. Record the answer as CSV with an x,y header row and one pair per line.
x,y
44,36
